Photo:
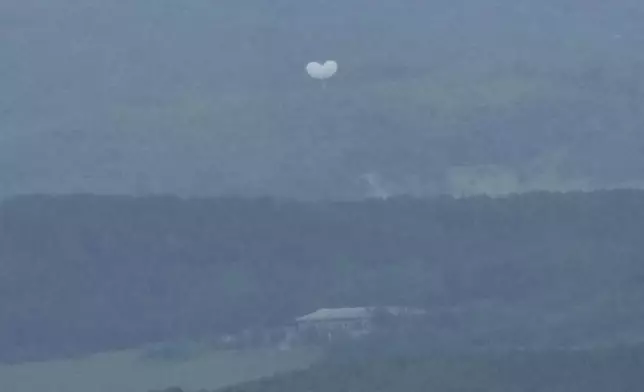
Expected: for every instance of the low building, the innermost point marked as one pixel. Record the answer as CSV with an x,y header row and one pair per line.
x,y
351,322
319,327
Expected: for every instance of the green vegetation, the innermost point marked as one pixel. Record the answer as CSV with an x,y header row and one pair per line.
x,y
598,370
83,273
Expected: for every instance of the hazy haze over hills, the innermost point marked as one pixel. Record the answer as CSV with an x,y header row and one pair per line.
x,y
153,117
210,97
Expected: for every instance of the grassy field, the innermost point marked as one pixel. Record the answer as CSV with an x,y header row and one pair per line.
x,y
133,371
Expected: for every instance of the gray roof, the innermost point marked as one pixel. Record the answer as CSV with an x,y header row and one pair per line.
x,y
327,314
337,314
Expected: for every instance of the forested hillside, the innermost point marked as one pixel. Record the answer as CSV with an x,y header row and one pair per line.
x,y
86,273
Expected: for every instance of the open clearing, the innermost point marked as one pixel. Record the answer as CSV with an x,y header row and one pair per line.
x,y
130,371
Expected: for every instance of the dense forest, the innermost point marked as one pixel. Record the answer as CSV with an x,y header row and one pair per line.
x,y
86,273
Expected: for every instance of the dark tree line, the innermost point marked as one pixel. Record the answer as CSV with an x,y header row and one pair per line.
x,y
83,273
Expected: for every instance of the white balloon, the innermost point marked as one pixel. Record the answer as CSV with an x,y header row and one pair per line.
x,y
322,71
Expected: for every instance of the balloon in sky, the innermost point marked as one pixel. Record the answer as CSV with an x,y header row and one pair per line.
x,y
322,71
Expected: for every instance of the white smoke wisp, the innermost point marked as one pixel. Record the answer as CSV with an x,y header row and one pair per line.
x,y
376,188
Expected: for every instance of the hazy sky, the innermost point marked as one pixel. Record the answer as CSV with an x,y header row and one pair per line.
x,y
211,97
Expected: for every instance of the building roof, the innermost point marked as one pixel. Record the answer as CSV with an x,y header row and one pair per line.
x,y
326,314
336,314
